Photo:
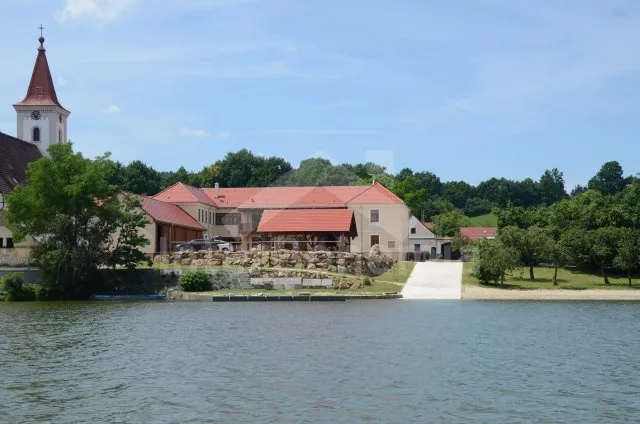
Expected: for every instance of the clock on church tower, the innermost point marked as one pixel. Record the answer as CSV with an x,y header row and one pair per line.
x,y
41,119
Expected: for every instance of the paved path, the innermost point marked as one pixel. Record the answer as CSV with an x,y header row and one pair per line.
x,y
434,280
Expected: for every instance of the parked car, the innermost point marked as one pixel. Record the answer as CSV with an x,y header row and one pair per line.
x,y
214,244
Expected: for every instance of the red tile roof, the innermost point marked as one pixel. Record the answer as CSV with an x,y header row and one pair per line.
x,y
307,220
167,213
41,91
476,233
280,197
182,193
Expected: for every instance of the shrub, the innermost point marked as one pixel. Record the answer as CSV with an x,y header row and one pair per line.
x,y
196,281
222,279
15,290
366,281
440,257
492,261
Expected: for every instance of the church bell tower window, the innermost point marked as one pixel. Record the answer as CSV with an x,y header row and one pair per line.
x,y
36,134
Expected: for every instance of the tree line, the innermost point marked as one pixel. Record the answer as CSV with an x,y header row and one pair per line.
x,y
595,230
424,192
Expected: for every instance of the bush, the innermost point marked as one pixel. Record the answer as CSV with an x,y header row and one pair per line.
x,y
492,261
196,281
14,289
222,279
366,281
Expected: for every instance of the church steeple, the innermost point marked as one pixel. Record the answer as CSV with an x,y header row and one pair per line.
x,y
41,119
41,90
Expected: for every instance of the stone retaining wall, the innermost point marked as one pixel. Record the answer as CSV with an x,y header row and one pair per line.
x,y
372,264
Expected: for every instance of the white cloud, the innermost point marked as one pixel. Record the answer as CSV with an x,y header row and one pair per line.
x,y
198,132
98,10
111,109
62,81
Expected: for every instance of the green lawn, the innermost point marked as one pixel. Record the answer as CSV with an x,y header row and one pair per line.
x,y
568,279
488,220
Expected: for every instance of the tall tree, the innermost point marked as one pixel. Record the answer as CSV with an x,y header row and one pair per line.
x,y
551,186
79,221
609,180
448,224
140,178
628,251
531,243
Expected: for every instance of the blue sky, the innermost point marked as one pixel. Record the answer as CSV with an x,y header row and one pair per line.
x,y
468,89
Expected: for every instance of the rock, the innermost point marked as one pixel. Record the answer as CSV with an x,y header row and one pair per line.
x,y
341,262
311,266
332,268
186,261
342,269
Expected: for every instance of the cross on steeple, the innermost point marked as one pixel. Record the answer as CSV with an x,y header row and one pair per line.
x,y
40,28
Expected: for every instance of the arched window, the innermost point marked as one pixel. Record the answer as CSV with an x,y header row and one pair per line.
x,y
36,134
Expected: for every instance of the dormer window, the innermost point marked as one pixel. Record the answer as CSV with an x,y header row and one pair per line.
x,y
36,134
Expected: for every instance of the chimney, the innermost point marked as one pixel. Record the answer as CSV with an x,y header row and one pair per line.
x,y
216,190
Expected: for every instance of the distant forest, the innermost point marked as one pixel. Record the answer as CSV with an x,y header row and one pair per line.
x,y
423,191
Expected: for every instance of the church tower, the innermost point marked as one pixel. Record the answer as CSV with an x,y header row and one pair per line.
x,y
41,119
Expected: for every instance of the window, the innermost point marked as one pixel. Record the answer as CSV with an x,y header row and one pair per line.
x,y
1,242
9,243
36,134
375,215
413,230
227,218
391,244
375,239
416,247
199,215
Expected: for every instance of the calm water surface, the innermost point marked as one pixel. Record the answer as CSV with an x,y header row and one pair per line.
x,y
386,361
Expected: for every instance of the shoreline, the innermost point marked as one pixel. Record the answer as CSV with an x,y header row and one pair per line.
x,y
472,292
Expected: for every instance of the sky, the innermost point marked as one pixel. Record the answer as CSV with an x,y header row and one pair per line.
x,y
467,89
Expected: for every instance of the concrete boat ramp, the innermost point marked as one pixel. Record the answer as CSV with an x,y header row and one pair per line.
x,y
434,280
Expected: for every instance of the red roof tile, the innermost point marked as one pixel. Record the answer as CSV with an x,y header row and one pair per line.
x,y
376,193
476,233
167,213
41,91
307,220
182,193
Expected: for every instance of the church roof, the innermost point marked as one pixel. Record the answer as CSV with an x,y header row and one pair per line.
x,y
41,90
15,155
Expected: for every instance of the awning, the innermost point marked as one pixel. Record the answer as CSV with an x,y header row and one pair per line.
x,y
308,221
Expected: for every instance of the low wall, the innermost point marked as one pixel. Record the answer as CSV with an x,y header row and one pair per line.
x,y
372,264
30,275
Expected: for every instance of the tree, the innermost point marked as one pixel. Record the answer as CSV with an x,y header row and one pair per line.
x,y
609,179
180,176
492,261
320,172
448,224
551,186
71,210
458,193
140,178
477,206
628,251
531,243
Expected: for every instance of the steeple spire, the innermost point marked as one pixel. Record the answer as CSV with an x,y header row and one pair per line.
x,y
41,90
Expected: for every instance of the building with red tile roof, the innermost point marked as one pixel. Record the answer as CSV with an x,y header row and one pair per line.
x,y
308,220
476,233
239,214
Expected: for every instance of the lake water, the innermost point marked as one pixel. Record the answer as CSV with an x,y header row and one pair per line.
x,y
359,361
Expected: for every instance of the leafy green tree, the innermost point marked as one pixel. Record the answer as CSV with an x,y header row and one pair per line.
x,y
180,176
551,186
609,180
531,244
477,206
140,178
448,224
458,193
628,251
492,261
320,172
518,216
77,218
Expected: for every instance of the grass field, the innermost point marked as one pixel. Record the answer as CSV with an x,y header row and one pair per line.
x,y
488,220
567,279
